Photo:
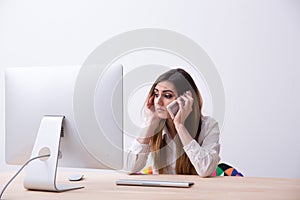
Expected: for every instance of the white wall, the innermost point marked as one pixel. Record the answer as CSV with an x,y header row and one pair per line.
x,y
255,46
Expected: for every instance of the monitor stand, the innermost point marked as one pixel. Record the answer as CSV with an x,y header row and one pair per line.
x,y
41,173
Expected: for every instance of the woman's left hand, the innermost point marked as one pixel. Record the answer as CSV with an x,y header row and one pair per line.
x,y
185,103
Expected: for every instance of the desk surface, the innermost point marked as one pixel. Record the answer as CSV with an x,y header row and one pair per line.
x,y
99,185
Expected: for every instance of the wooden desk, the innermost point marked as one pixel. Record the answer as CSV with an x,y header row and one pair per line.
x,y
99,185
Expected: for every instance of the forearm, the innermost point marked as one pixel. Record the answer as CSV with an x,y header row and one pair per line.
x,y
204,159
136,157
147,132
138,153
145,135
183,133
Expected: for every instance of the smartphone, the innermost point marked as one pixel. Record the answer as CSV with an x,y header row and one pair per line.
x,y
173,108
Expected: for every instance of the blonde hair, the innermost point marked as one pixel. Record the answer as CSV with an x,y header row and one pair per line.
x,y
183,82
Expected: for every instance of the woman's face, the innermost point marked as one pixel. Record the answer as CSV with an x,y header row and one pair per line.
x,y
164,94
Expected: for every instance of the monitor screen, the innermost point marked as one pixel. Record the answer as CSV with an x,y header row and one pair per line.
x,y
34,92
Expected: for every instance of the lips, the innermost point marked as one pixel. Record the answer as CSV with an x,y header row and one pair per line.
x,y
160,110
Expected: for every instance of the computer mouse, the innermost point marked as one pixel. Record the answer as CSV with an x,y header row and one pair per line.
x,y
76,177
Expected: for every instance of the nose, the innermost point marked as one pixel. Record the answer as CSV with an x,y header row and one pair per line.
x,y
159,100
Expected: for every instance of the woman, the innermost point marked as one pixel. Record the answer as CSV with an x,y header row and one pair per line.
x,y
185,144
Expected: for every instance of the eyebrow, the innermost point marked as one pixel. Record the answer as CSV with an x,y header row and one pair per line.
x,y
156,90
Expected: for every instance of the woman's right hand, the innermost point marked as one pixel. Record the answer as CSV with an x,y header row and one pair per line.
x,y
151,122
151,117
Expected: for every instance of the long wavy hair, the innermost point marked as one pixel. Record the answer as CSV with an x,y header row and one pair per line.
x,y
183,82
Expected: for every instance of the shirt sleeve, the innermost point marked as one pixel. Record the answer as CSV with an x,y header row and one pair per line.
x,y
137,156
205,157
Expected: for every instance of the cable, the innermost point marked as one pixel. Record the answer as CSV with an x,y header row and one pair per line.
x,y
4,188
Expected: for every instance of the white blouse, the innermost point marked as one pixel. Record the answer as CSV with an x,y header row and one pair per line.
x,y
203,153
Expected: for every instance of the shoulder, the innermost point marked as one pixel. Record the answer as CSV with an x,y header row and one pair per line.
x,y
210,132
209,126
208,121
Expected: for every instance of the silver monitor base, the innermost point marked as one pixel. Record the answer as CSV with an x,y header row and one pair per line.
x,y
41,173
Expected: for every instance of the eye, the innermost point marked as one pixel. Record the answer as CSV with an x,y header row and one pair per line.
x,y
168,95
156,94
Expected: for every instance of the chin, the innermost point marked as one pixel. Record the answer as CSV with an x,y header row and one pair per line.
x,y
162,116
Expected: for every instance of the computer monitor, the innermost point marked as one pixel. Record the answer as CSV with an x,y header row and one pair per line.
x,y
38,99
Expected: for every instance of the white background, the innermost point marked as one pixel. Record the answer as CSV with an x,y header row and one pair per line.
x,y
254,44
